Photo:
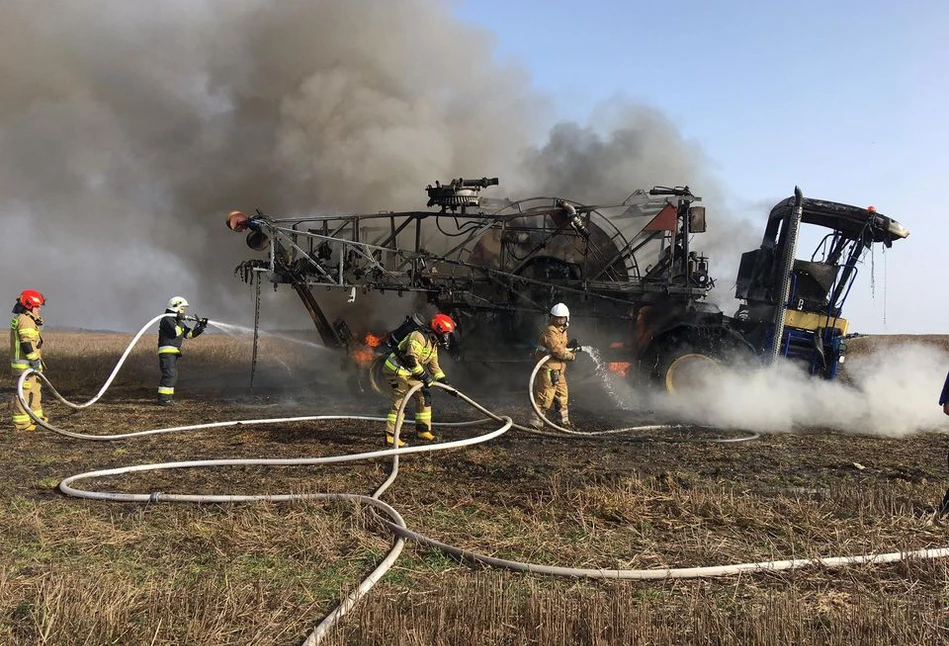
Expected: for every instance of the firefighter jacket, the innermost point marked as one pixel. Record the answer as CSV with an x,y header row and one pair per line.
x,y
171,333
553,341
26,343
415,353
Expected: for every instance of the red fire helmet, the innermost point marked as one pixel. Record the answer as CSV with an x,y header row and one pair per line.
x,y
442,324
30,299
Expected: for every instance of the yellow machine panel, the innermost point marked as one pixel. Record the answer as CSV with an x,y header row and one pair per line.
x,y
812,321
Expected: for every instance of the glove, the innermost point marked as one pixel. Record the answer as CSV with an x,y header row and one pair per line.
x,y
180,317
36,365
427,379
202,325
574,345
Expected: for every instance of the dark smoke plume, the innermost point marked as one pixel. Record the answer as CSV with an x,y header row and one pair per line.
x,y
129,130
641,149
637,147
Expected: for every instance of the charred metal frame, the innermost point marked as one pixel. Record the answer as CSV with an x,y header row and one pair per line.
x,y
336,251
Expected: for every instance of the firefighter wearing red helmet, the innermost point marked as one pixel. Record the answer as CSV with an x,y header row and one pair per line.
x,y
415,360
26,352
550,387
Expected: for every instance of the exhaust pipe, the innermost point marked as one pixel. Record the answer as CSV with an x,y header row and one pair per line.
x,y
793,223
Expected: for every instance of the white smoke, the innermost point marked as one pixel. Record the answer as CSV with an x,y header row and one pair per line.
x,y
891,392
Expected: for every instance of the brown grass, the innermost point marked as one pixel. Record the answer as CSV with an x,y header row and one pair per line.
x,y
84,572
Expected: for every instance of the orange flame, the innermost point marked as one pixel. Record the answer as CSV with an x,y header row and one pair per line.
x,y
619,367
363,356
374,341
363,351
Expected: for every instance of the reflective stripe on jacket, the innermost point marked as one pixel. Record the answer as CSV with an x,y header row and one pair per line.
x,y
171,334
26,342
416,352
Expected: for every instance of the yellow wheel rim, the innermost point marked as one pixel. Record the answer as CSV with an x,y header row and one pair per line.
x,y
688,369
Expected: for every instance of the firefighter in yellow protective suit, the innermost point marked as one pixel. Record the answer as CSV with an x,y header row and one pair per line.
x,y
550,386
416,360
26,351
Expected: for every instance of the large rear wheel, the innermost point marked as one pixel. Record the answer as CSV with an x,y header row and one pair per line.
x,y
689,359
689,371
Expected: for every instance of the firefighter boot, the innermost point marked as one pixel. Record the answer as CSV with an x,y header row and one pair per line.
x,y
23,422
536,421
390,440
165,401
565,419
423,422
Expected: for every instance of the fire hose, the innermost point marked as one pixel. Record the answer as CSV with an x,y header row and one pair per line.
x,y
612,431
395,522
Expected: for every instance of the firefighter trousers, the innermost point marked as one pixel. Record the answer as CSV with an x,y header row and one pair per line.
x,y
423,404
33,392
550,389
168,362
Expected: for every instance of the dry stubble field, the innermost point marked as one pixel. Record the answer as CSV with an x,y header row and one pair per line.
x,y
84,572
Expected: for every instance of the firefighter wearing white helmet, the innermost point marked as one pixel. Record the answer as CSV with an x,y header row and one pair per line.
x,y
550,387
171,333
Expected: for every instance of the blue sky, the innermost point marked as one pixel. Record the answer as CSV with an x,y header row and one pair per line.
x,y
846,99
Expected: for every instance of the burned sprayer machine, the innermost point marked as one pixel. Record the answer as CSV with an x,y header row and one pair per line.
x,y
635,284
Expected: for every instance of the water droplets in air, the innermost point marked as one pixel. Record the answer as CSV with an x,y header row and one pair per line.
x,y
608,379
240,330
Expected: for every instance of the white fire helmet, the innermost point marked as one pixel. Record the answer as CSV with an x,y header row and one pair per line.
x,y
177,304
561,310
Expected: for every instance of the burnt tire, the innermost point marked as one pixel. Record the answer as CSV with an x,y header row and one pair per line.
x,y
375,376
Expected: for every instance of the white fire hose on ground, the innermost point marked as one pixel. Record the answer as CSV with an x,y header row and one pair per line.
x,y
395,521
627,429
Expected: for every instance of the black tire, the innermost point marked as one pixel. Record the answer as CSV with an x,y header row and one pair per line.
x,y
375,377
713,352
